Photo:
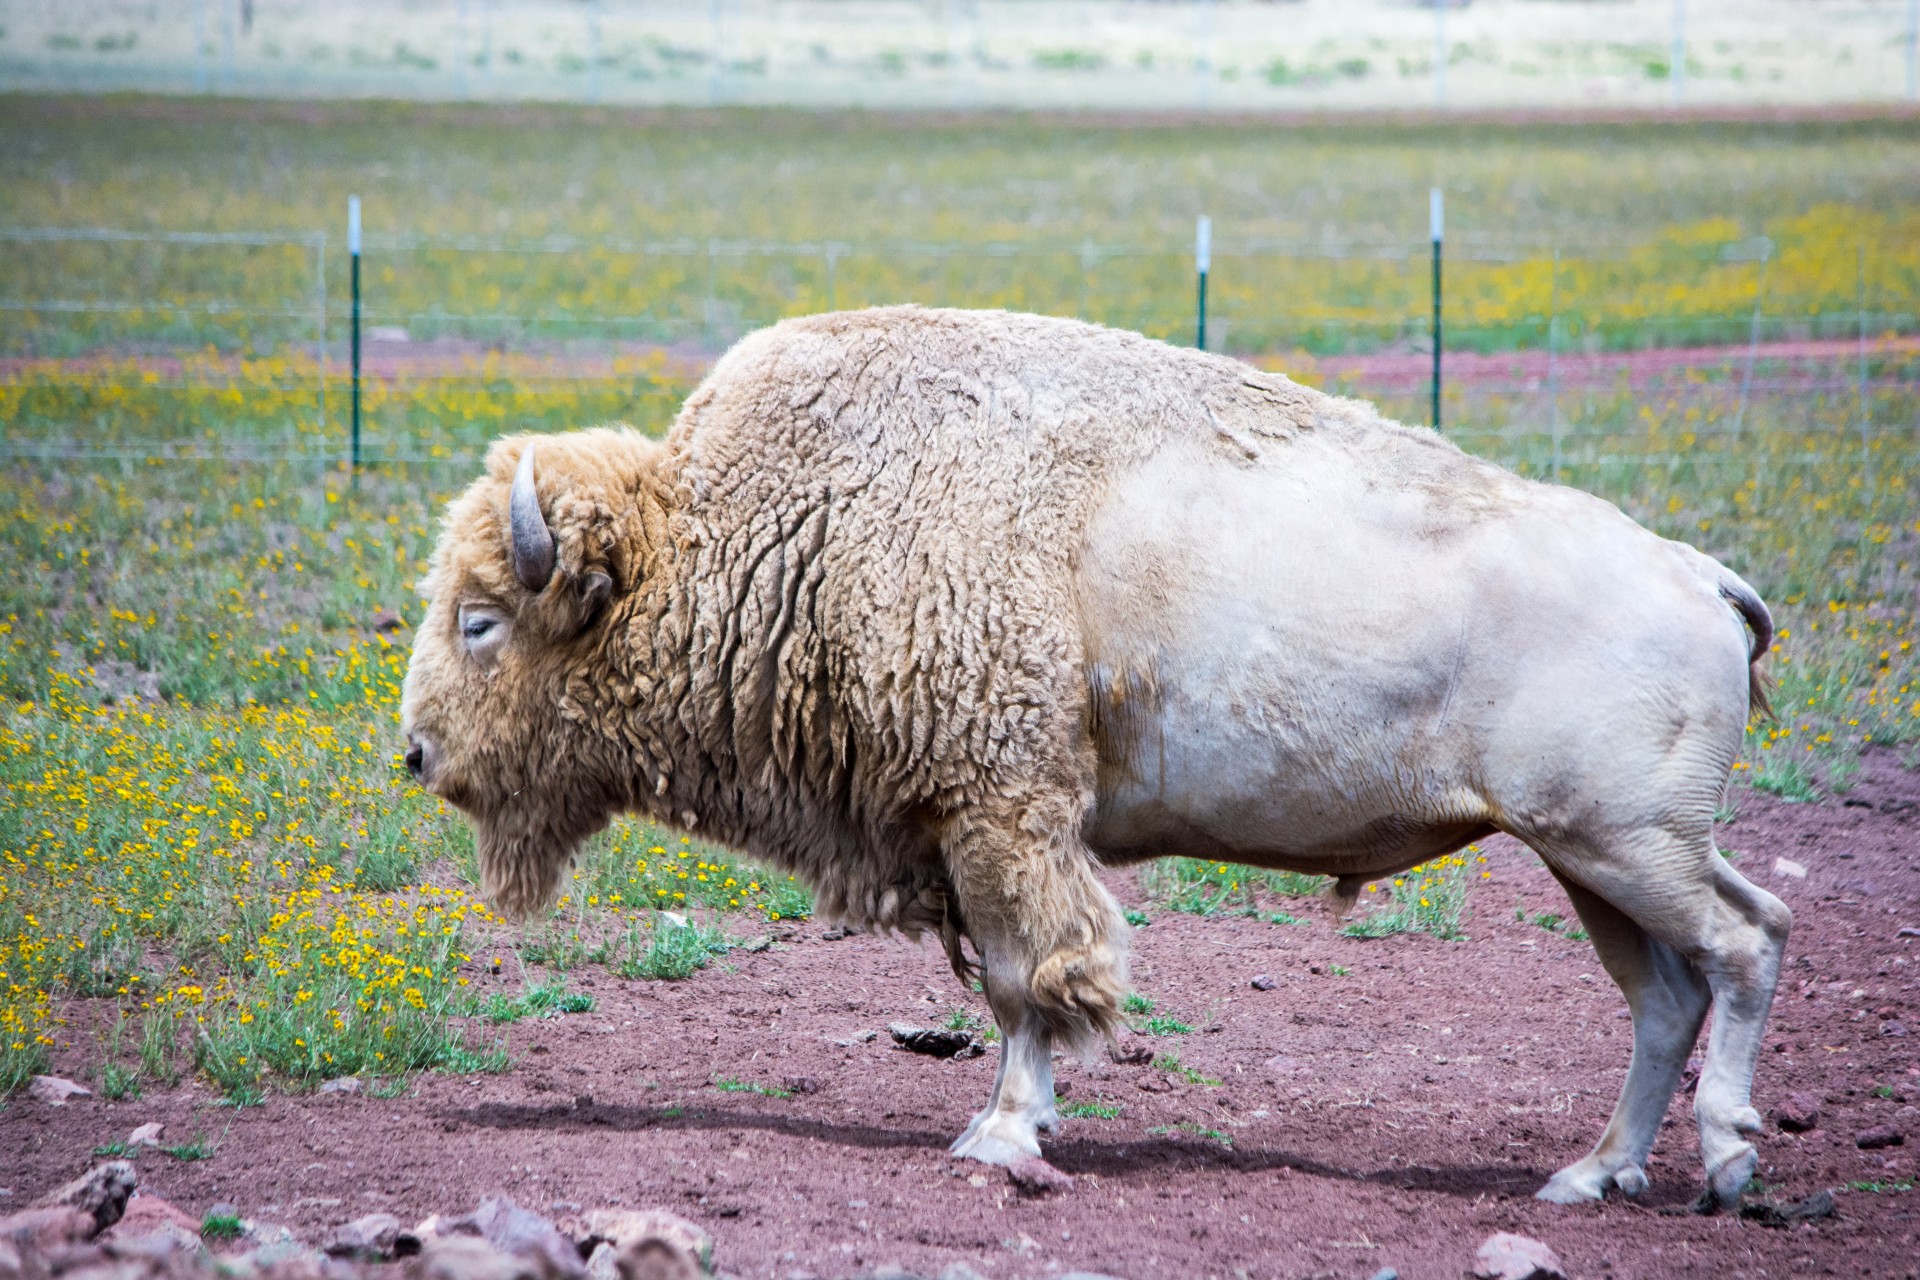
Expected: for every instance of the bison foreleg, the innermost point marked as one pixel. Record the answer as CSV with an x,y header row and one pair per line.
x,y
1052,946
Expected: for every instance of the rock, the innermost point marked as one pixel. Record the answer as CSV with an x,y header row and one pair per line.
x,y
1263,982
343,1084
146,1211
1132,1052
758,943
465,1257
802,1085
1908,932
386,621
54,1091
648,1244
369,1238
672,918
1032,1176
290,1257
1799,1113
600,1265
858,1037
520,1233
151,1227
1789,868
1769,1213
1505,1256
1386,1273
101,1193
223,1209
1881,1135
935,1042
147,1135
52,1227
961,1271
1893,1027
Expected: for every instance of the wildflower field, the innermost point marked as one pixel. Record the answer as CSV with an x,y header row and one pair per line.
x,y
213,863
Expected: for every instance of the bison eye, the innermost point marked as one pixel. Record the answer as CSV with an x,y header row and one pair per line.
x,y
476,627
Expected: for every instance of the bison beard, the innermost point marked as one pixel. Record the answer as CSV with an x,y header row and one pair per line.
x,y
942,611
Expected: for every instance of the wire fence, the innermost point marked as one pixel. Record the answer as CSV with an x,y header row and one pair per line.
x,y
1550,347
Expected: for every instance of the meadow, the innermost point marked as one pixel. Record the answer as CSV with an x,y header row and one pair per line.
x,y
213,861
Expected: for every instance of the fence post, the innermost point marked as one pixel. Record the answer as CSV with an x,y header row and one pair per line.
x,y
353,253
1202,263
1435,221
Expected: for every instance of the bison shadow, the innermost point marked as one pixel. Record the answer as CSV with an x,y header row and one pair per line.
x,y
1102,1159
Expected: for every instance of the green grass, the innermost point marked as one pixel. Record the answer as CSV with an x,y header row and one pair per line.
x,y
197,1148
116,1150
1202,887
222,1226
540,1000
668,951
1642,215
1198,1131
728,1085
1088,1110
1426,899
1882,1188
1171,1064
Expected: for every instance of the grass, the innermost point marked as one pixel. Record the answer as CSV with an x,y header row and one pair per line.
x,y
222,1226
1428,898
1198,1131
203,819
668,951
539,1000
1171,1064
727,1085
1088,1110
1882,1188
1202,887
197,1148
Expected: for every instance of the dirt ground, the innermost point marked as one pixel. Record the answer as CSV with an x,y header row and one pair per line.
x,y
1387,1103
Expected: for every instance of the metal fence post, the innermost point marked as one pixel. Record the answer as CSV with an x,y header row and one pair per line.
x,y
1435,218
353,252
1202,263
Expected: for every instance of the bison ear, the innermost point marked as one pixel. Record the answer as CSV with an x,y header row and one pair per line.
x,y
594,587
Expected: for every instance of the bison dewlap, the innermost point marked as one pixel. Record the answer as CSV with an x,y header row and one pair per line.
x,y
941,611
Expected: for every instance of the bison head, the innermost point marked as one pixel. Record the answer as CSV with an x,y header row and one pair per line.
x,y
533,579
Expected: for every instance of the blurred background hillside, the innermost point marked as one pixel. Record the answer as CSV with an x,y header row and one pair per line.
x,y
1198,55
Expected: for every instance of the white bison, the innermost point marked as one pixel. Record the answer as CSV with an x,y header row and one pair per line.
x,y
943,611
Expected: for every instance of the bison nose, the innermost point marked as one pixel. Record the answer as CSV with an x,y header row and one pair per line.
x,y
420,755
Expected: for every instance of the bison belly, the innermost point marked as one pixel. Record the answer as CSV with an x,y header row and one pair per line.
x,y
1303,663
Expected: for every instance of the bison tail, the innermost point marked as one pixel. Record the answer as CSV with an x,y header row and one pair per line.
x,y
1746,601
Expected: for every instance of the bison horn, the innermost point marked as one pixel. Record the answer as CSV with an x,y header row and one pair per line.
x,y
532,540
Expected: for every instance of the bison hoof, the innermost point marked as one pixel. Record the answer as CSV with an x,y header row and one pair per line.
x,y
997,1139
1726,1180
1589,1180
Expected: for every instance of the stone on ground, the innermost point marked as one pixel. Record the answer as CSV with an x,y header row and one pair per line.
x,y
1798,1113
101,1193
54,1091
1880,1135
369,1238
147,1135
643,1244
1035,1177
1506,1256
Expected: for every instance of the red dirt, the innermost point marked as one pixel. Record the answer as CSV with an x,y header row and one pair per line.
x,y
1393,1116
